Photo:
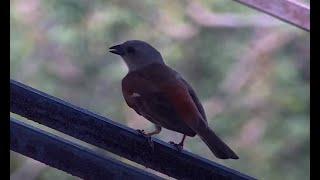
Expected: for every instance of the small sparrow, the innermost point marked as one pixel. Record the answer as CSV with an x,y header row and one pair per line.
x,y
162,96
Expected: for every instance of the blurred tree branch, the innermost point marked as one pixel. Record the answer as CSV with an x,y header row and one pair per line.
x,y
246,67
249,67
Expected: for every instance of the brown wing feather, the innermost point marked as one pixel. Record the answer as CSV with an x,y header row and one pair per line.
x,y
153,103
195,99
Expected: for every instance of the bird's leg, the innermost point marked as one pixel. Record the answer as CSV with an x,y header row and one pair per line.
x,y
180,145
148,135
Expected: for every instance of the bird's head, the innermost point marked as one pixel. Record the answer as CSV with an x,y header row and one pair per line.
x,y
137,54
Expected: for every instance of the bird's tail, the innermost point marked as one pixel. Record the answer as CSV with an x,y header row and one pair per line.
x,y
216,145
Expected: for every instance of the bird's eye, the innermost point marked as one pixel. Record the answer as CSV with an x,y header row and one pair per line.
x,y
130,49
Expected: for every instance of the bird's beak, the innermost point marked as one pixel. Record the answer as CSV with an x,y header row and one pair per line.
x,y
117,49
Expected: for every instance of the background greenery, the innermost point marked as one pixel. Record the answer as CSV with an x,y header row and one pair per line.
x,y
250,71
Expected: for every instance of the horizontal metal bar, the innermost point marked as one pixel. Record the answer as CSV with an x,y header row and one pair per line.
x,y
67,156
112,136
290,11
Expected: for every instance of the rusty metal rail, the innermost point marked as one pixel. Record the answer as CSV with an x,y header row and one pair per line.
x,y
290,11
114,137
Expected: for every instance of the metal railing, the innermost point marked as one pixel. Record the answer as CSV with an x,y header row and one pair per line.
x,y
67,156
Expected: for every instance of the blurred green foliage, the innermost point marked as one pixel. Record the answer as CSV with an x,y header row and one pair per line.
x,y
253,79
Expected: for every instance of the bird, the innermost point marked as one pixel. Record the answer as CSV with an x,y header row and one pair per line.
x,y
161,95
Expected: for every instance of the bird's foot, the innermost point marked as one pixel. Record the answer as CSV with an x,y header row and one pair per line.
x,y
143,133
179,146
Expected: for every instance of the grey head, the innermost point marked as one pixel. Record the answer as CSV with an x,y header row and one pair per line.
x,y
137,54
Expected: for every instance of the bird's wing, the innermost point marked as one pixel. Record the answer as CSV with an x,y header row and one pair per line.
x,y
132,92
164,97
184,104
195,99
153,100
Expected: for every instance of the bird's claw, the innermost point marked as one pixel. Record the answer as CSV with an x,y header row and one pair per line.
x,y
179,147
141,131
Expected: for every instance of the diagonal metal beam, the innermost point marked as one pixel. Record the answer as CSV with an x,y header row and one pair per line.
x,y
290,11
69,157
114,137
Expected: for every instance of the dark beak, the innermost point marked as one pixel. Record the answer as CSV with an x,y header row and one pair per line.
x,y
117,49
